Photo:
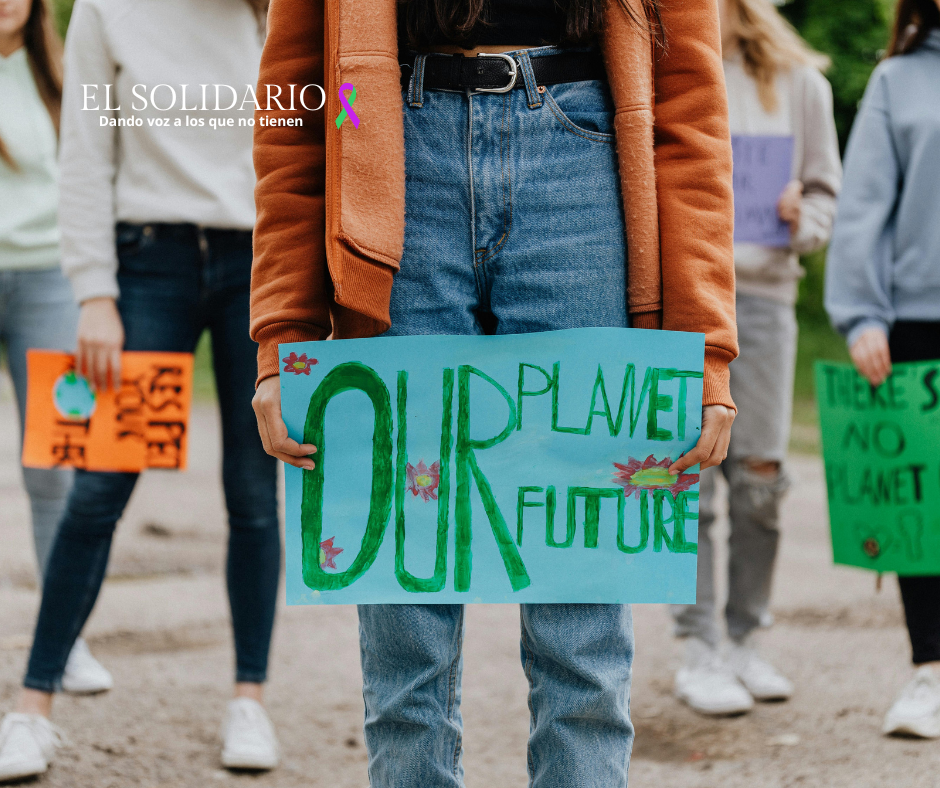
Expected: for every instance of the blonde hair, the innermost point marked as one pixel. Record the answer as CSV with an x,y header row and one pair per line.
x,y
769,44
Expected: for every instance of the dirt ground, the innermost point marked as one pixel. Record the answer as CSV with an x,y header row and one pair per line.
x,y
161,628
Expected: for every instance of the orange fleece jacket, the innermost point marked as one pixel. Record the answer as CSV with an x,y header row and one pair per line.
x,y
331,202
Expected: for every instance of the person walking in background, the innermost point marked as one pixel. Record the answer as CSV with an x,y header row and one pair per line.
x,y
883,277
774,88
36,305
547,113
156,225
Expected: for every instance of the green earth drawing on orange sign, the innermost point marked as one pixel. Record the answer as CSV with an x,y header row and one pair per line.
x,y
73,397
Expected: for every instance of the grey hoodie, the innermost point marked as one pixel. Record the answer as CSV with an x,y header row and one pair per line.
x,y
884,259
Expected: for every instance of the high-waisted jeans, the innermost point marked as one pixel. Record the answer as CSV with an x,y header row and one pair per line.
x,y
514,224
175,281
37,310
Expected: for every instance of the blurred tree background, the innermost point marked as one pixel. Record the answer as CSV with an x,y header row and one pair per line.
x,y
854,34
63,11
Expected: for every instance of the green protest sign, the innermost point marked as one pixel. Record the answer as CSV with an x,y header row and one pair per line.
x,y
880,447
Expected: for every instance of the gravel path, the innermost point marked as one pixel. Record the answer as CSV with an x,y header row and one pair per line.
x,y
161,627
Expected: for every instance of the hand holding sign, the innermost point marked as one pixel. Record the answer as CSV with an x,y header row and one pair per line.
x,y
140,423
872,355
790,205
100,341
274,437
762,166
882,473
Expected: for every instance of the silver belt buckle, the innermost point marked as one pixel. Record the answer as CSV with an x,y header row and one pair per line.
x,y
513,72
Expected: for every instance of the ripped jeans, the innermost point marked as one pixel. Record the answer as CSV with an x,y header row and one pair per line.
x,y
762,388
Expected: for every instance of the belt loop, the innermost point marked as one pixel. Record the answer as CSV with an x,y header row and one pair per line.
x,y
528,75
416,86
203,242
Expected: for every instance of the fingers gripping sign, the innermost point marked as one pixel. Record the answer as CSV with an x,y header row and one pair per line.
x,y
712,446
274,437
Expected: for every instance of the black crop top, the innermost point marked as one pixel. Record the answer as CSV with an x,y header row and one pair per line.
x,y
522,22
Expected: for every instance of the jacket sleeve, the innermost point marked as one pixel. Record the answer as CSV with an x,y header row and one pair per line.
x,y
87,159
858,266
693,181
822,168
290,289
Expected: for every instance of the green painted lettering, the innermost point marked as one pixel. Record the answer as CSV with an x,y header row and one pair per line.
x,y
407,580
680,513
351,376
522,392
592,511
467,468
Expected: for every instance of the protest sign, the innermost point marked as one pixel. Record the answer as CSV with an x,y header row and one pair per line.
x,y
882,466
521,468
142,424
762,167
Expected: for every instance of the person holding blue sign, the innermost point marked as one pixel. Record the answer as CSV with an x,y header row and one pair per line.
x,y
787,174
517,167
883,278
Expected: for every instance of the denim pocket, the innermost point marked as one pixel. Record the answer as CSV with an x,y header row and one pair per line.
x,y
583,108
131,239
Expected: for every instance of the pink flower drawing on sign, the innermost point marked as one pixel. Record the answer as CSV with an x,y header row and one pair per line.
x,y
299,365
649,474
328,553
423,480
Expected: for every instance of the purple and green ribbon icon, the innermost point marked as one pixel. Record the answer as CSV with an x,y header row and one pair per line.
x,y
347,103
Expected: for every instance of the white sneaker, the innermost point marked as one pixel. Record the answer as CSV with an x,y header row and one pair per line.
x,y
708,685
916,712
27,744
758,676
84,675
249,737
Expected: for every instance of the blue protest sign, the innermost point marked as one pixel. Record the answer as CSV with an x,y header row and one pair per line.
x,y
762,167
521,468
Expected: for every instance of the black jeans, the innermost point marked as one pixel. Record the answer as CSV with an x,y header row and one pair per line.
x,y
175,281
919,341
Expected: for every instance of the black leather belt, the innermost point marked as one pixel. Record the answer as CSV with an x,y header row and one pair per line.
x,y
500,73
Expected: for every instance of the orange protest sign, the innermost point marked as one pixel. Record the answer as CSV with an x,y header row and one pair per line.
x,y
143,424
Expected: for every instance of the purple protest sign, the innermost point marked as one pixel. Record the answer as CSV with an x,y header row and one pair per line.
x,y
762,167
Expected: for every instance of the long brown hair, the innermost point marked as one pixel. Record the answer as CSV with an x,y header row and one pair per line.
x,y
456,19
913,21
769,44
44,53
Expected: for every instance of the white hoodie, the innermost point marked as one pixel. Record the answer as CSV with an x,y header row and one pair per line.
x,y
152,173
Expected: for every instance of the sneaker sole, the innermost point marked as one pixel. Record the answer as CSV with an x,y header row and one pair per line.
x,y
86,690
913,730
33,769
253,764
735,711
779,698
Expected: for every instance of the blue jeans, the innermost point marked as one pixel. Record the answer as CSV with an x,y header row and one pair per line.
x,y
176,281
514,224
37,310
